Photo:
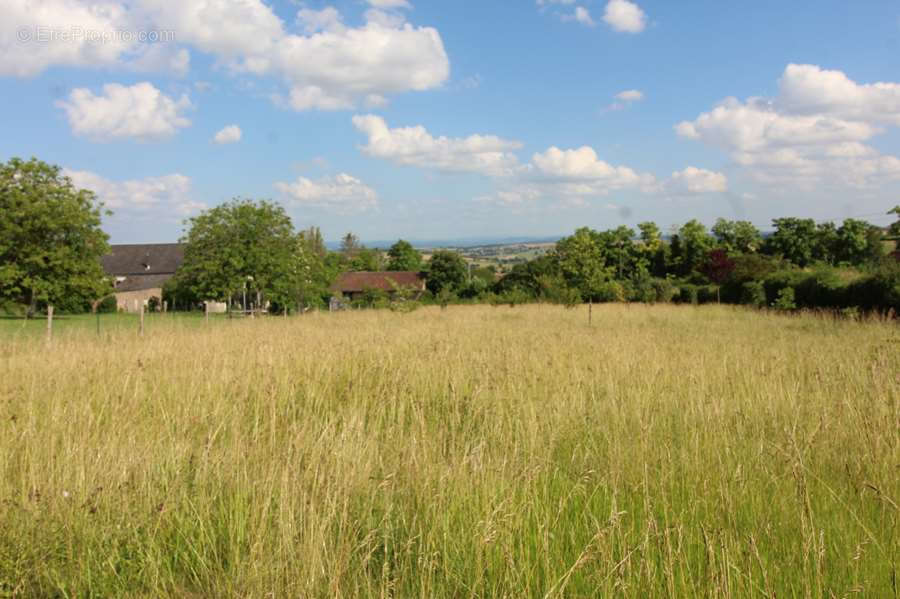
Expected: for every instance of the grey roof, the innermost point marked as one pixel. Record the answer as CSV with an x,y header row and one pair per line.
x,y
143,259
141,282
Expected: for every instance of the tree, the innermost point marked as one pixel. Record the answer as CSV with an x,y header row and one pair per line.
x,y
690,246
446,272
582,262
50,237
656,252
403,256
242,245
794,239
857,242
350,245
737,237
894,229
312,241
366,259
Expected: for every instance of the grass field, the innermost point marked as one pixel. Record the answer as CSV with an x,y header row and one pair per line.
x,y
468,452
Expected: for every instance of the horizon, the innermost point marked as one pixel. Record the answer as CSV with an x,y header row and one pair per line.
x,y
437,122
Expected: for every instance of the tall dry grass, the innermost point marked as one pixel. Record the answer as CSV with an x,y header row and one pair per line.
x,y
467,452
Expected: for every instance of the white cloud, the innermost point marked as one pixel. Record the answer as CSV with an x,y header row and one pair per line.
x,y
389,3
579,15
583,16
585,174
630,95
343,193
415,146
140,112
327,65
813,131
327,19
625,16
694,180
166,196
24,53
228,135
808,89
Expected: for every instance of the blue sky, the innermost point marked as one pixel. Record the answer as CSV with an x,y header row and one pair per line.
x,y
441,120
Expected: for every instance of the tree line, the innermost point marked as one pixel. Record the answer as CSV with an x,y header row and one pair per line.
x,y
51,242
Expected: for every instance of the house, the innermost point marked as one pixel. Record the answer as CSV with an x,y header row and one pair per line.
x,y
139,271
352,285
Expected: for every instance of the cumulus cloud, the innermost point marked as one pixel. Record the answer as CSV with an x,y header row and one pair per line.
x,y
814,130
415,146
625,16
168,195
323,64
30,35
228,135
343,193
693,180
583,173
139,112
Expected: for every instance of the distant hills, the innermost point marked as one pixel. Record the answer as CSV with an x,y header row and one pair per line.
x,y
461,242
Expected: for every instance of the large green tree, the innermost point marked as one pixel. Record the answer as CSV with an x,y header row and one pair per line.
x,y
794,239
50,237
403,256
582,262
690,246
446,272
737,236
242,245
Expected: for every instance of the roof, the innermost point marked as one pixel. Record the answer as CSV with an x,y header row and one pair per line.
x,y
351,282
143,259
142,282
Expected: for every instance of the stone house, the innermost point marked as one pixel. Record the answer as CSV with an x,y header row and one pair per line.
x,y
139,271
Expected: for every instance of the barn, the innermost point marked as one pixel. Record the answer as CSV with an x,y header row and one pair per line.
x,y
139,271
352,285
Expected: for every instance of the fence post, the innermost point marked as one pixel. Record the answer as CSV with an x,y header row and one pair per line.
x,y
142,319
590,310
49,323
206,304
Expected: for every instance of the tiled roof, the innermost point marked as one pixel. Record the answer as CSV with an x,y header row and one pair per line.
x,y
141,282
143,259
353,282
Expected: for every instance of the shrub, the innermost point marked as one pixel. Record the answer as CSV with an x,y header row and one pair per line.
x,y
108,305
687,294
610,291
753,294
664,290
785,300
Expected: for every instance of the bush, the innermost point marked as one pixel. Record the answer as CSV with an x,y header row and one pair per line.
x,y
753,294
108,305
610,291
664,290
879,291
687,294
785,300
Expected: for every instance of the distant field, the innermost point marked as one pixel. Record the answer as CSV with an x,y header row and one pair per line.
x,y
469,452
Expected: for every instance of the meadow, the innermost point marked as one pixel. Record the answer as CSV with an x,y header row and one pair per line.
x,y
476,451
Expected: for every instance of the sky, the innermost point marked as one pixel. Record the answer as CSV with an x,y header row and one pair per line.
x,y
433,120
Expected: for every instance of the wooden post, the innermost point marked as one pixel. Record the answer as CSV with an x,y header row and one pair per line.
x,y
142,319
590,310
206,304
49,323
165,306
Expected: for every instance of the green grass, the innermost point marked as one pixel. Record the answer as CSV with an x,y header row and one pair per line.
x,y
467,452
